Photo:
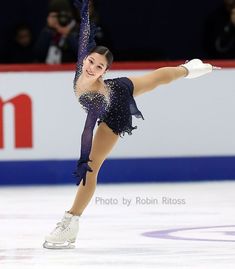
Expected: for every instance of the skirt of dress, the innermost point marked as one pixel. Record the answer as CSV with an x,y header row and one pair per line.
x,y
122,106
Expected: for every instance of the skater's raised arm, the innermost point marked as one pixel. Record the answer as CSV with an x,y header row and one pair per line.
x,y
87,31
86,40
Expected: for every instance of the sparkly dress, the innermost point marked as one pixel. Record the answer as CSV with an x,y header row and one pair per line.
x,y
116,110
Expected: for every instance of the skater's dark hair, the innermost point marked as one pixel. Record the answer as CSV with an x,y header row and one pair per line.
x,y
104,51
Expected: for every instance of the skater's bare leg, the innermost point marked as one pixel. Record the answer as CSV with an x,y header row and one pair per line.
x,y
104,141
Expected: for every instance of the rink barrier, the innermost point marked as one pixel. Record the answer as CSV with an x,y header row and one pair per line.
x,y
185,169
172,169
115,66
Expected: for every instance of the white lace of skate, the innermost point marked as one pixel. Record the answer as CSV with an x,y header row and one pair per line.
x,y
63,224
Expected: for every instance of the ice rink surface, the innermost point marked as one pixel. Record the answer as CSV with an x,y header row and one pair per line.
x,y
173,225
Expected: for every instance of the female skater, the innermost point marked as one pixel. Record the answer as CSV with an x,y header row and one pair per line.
x,y
112,103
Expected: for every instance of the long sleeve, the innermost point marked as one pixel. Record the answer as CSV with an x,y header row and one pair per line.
x,y
86,40
87,31
86,144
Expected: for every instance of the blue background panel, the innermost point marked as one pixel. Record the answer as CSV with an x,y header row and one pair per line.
x,y
120,170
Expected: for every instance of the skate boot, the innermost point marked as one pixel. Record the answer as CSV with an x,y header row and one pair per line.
x,y
65,233
197,68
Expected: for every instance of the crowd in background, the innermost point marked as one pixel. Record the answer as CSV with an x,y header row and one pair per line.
x,y
58,40
56,43
220,32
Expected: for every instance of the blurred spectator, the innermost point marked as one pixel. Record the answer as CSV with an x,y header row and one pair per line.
x,y
20,49
57,42
220,32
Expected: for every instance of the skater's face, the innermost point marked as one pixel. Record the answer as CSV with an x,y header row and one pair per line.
x,y
94,65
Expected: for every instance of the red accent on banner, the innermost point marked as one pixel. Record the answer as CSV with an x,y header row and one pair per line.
x,y
23,121
115,66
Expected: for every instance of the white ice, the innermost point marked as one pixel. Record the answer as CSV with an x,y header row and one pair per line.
x,y
112,233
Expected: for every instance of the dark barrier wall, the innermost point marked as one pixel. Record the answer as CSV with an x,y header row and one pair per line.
x,y
149,30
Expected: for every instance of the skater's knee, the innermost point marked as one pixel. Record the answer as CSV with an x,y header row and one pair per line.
x,y
95,164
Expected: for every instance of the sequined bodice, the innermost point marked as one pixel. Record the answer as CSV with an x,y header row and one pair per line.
x,y
94,101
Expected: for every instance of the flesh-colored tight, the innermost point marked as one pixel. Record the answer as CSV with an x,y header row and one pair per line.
x,y
104,139
103,142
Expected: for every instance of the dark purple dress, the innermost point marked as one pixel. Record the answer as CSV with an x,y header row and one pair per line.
x,y
116,111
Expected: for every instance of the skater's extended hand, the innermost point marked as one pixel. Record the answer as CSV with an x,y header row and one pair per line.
x,y
80,4
81,172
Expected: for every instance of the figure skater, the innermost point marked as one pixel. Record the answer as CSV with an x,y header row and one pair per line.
x,y
112,103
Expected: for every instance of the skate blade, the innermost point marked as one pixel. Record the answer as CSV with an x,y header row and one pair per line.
x,y
216,68
49,245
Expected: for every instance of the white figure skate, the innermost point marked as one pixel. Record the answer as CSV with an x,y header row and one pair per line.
x,y
197,68
65,233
